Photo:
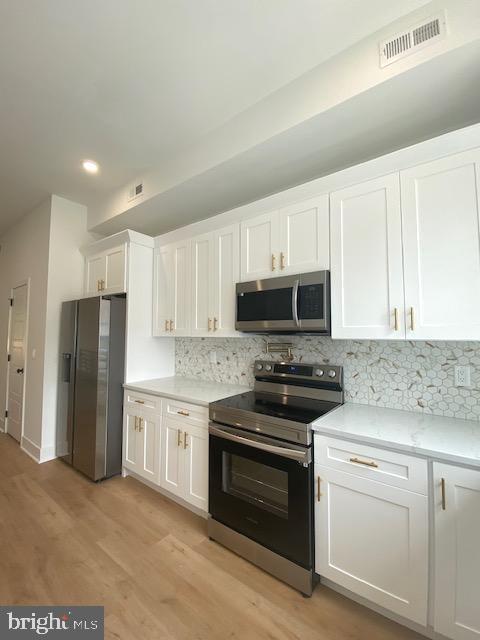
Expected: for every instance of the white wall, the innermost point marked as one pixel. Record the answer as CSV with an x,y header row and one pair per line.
x,y
24,256
65,282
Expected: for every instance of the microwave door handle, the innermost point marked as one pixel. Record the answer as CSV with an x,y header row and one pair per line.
x,y
295,302
284,452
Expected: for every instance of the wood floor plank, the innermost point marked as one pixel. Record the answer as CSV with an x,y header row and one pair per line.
x,y
149,562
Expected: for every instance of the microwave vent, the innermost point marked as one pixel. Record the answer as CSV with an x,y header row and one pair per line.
x,y
411,40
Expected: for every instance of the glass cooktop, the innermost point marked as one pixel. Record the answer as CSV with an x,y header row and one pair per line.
x,y
302,410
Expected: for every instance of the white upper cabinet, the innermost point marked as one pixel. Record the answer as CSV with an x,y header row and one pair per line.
x,y
366,259
457,558
226,274
304,236
294,239
260,246
171,303
106,272
202,284
440,208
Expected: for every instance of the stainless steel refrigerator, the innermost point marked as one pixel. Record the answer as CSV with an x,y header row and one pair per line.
x,y
90,394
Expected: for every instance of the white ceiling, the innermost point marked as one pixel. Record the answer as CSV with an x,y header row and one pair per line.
x,y
131,83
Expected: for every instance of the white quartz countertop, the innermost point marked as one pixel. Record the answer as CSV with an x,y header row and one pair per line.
x,y
193,390
447,439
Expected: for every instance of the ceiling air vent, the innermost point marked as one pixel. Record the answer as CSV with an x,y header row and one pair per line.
x,y
412,40
135,191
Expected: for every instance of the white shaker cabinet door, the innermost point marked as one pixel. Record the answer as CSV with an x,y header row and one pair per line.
x,y
440,209
202,275
196,466
172,458
164,283
226,274
457,555
259,247
372,539
116,270
305,236
366,258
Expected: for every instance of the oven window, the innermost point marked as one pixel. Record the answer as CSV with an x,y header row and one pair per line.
x,y
259,484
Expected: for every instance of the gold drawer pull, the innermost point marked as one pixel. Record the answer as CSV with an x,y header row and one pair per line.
x,y
318,489
282,260
215,324
444,498
209,324
183,413
412,318
140,424
171,325
166,325
273,262
136,423
179,438
140,401
364,462
185,442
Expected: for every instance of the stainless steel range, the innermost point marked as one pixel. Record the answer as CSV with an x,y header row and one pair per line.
x,y
261,491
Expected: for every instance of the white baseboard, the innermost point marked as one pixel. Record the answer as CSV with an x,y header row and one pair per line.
x,y
37,453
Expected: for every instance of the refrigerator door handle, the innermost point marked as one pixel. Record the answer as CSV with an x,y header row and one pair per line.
x,y
67,365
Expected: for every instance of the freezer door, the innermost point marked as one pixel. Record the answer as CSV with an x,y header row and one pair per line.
x,y
89,442
66,381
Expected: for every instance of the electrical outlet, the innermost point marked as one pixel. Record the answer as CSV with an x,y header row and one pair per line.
x,y
462,376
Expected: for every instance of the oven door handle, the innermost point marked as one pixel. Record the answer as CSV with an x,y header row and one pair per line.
x,y
284,452
295,302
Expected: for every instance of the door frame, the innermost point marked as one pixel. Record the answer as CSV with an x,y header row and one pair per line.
x,y
21,283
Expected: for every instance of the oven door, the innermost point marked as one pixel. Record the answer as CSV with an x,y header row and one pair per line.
x,y
262,488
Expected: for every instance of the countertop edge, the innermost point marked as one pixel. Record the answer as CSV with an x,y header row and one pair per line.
x,y
437,456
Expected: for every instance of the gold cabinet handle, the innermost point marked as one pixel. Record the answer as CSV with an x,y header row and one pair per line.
x,y
166,325
171,325
183,413
209,324
98,285
282,260
140,424
136,423
215,324
364,462
185,441
319,494
273,262
179,438
395,315
140,401
412,318
444,498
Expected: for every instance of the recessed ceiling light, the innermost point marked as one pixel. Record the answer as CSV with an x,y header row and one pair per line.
x,y
90,166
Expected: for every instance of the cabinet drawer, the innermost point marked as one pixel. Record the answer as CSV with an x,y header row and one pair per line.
x,y
142,401
188,413
389,467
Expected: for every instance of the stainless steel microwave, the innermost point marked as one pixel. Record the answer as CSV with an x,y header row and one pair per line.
x,y
288,304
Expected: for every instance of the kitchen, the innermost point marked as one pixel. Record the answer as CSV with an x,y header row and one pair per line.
x,y
292,384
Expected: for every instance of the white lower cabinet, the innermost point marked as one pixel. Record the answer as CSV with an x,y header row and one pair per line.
x,y
184,461
372,539
457,553
141,443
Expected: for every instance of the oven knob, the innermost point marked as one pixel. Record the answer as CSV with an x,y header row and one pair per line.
x,y
319,372
268,367
332,373
259,367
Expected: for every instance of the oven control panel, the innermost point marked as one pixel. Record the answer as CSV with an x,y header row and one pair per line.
x,y
298,370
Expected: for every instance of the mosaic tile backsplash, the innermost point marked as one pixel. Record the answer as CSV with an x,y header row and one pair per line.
x,y
415,376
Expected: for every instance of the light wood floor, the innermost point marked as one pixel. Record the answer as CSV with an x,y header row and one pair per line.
x,y
65,540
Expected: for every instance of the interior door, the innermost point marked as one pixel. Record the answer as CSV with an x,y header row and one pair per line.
x,y
16,366
305,236
366,256
441,236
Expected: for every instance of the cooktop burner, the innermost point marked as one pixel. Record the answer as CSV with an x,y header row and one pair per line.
x,y
303,410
